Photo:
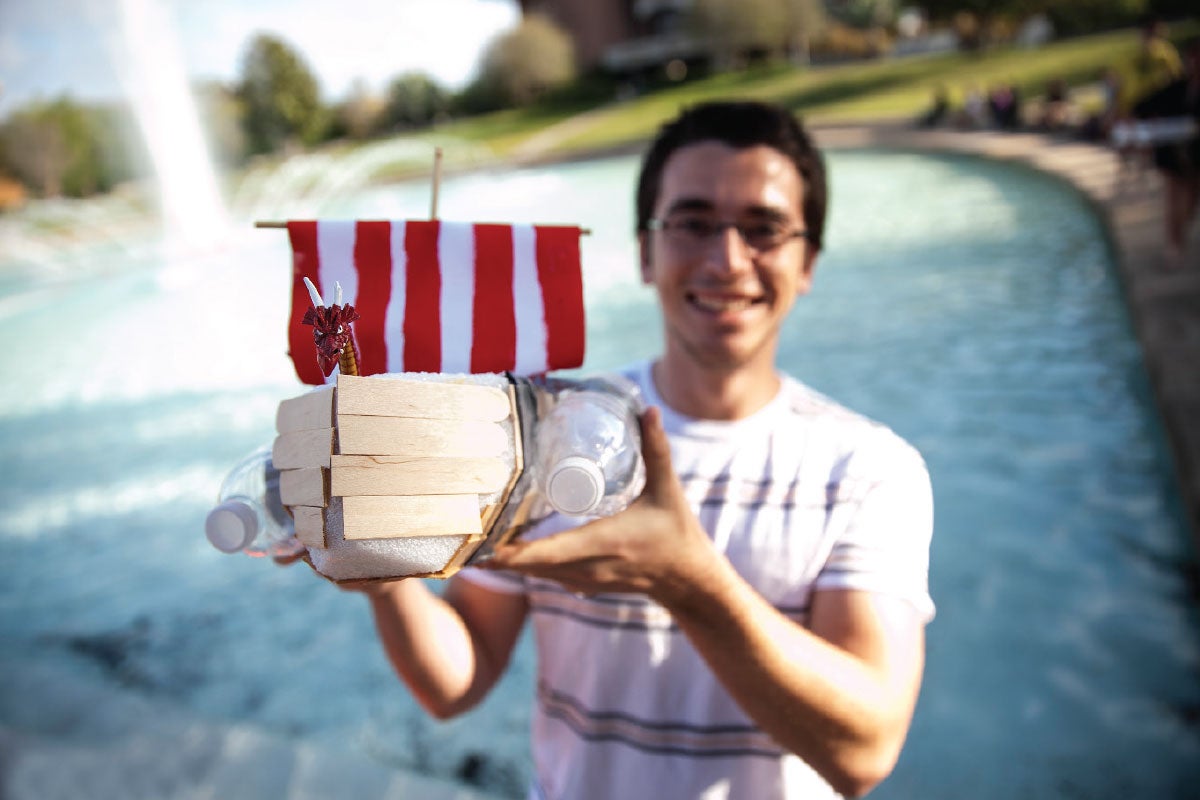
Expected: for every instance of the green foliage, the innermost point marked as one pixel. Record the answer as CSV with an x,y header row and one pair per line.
x,y
1069,18
1087,16
62,148
865,13
733,27
521,65
736,29
414,100
280,97
359,116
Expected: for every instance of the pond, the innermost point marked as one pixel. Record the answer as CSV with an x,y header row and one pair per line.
x,y
971,306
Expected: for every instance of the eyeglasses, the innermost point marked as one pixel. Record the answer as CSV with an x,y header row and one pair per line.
x,y
697,232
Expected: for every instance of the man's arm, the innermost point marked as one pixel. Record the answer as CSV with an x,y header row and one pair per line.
x,y
839,694
449,650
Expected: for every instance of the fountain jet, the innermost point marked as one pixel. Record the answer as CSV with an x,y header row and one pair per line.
x,y
150,65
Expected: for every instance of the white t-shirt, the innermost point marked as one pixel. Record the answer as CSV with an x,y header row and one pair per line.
x,y
802,496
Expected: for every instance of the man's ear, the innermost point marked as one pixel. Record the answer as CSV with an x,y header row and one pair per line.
x,y
806,272
644,258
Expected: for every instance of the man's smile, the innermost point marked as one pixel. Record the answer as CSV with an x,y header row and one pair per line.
x,y
722,303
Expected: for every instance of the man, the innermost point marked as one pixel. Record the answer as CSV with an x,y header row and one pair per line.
x,y
752,625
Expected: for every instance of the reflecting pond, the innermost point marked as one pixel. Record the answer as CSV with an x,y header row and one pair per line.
x,y
971,306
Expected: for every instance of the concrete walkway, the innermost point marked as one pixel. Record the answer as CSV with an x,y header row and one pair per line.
x,y
1164,304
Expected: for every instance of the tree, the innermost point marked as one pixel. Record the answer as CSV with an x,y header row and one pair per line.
x,y
1077,16
63,148
280,97
359,116
806,20
737,28
865,13
34,151
521,65
414,99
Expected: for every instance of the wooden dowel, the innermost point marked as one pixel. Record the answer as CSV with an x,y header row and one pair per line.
x,y
276,224
437,181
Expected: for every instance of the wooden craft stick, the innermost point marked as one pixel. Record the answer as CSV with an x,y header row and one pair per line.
x,y
437,182
310,526
391,517
306,412
490,513
304,487
280,224
299,449
408,436
426,400
401,475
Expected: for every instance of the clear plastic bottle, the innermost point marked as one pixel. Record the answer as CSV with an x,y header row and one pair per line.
x,y
589,449
249,516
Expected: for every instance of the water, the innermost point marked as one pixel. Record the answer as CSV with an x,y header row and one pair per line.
x,y
971,306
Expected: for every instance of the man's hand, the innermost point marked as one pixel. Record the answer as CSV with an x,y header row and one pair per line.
x,y
655,547
367,586
286,561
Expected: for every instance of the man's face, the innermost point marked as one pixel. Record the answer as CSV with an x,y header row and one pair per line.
x,y
723,302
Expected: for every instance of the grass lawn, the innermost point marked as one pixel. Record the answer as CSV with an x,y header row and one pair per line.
x,y
885,88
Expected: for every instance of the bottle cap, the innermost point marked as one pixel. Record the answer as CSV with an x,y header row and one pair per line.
x,y
231,526
576,486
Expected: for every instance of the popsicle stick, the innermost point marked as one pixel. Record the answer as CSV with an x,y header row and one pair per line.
x,y
403,475
391,517
492,512
304,487
408,436
426,400
310,526
306,412
299,449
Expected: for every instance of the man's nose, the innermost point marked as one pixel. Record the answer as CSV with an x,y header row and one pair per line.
x,y
728,251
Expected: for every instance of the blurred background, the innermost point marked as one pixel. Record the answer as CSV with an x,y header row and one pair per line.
x,y
973,306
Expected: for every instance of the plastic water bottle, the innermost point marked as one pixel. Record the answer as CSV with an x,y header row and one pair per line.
x,y
249,516
589,449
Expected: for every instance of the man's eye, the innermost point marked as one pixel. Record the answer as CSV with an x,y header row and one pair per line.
x,y
761,231
694,226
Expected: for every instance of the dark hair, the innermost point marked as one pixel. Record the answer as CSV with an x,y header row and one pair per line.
x,y
740,125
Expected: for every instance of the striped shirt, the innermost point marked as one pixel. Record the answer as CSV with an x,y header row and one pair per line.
x,y
802,496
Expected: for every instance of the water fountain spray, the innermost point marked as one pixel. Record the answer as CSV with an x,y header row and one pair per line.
x,y
150,65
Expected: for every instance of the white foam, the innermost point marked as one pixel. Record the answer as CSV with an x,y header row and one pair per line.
x,y
379,558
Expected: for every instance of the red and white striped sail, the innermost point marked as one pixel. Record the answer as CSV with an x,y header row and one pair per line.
x,y
440,296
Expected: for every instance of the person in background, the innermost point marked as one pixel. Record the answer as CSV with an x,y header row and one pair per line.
x,y
1155,65
975,110
938,111
752,626
1004,103
1056,107
1099,124
1178,160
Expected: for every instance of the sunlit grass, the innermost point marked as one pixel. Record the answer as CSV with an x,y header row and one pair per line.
x,y
885,88
899,88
